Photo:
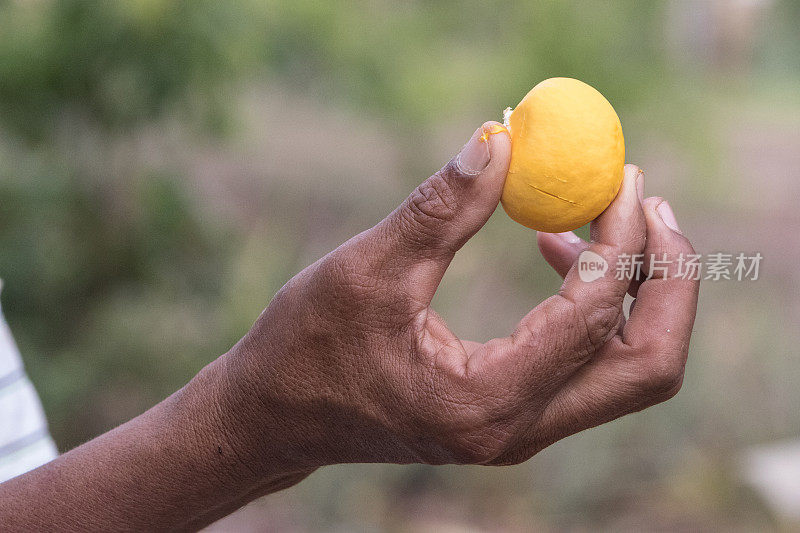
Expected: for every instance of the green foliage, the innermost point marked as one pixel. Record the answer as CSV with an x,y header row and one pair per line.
x,y
118,63
419,60
122,279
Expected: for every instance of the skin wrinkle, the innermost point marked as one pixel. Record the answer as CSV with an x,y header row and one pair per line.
x,y
435,378
349,363
227,445
595,331
423,237
435,199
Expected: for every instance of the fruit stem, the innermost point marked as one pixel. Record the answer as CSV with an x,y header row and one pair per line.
x,y
507,118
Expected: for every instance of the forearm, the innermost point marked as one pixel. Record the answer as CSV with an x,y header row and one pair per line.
x,y
181,465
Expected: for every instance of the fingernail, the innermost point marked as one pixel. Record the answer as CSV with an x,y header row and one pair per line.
x,y
474,157
666,214
640,185
569,236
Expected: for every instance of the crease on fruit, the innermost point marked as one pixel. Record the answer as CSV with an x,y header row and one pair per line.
x,y
554,195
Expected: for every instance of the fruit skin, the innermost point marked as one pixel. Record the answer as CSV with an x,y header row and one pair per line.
x,y
567,156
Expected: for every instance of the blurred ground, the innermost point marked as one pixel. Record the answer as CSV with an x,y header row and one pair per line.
x,y
166,167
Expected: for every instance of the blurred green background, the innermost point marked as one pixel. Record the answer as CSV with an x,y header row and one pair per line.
x,y
165,166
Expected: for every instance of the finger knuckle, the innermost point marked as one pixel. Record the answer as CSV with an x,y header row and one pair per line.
x,y
434,200
670,249
661,375
597,322
629,239
632,238
601,321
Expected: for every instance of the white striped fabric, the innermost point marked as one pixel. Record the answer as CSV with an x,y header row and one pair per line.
x,y
25,442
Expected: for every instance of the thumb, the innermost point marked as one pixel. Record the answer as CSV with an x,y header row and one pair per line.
x,y
435,221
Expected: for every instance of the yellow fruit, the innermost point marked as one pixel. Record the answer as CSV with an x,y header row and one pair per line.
x,y
567,156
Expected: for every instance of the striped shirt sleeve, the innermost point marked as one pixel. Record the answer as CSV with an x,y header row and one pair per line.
x,y
25,442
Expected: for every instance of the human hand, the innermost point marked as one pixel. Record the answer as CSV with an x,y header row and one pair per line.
x,y
349,363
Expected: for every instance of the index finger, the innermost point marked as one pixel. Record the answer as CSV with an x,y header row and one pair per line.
x,y
645,364
563,332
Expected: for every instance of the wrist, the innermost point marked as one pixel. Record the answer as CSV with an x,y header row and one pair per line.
x,y
181,465
255,445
